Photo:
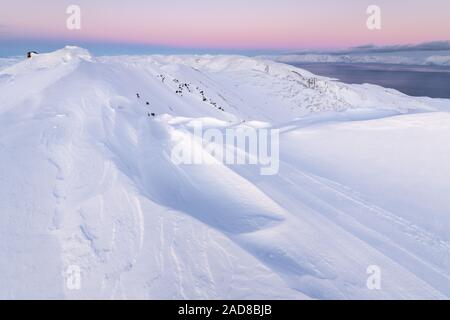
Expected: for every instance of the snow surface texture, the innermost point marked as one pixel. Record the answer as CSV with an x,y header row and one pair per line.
x,y
6,62
86,180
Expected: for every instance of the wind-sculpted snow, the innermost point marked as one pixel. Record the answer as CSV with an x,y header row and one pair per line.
x,y
6,62
87,181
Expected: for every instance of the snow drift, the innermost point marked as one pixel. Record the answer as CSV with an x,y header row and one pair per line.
x,y
87,180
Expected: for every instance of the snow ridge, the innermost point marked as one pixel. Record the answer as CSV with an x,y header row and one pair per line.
x,y
87,180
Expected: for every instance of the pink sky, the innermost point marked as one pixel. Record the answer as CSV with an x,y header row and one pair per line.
x,y
246,24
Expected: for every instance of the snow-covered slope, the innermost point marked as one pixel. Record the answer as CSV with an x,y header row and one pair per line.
x,y
87,180
6,62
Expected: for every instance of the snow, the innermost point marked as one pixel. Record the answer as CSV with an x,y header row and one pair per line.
x,y
6,62
439,60
435,58
87,180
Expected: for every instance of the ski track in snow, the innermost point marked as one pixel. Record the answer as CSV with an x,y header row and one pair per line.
x,y
87,180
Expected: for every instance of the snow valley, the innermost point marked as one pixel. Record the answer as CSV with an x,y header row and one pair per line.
x,y
88,182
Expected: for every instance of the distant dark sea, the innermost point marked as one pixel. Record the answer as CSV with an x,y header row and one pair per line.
x,y
429,81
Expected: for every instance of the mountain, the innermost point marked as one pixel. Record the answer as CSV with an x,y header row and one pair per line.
x,y
88,183
426,58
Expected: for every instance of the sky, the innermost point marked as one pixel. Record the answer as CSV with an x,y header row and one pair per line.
x,y
244,26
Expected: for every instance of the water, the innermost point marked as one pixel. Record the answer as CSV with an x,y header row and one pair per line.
x,y
429,81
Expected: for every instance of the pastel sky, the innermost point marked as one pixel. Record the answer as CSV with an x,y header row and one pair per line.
x,y
225,24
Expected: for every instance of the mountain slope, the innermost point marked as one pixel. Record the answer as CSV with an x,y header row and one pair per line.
x,y
87,180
